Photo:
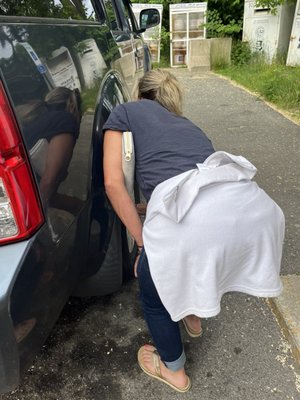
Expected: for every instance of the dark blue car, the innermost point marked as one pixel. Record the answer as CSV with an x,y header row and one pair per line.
x,y
63,68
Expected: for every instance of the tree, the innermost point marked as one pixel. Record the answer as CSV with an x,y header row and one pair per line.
x,y
225,18
33,8
44,8
272,4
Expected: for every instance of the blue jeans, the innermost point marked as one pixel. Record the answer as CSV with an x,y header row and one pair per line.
x,y
165,332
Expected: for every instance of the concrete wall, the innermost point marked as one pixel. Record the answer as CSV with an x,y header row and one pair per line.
x,y
220,53
199,54
208,53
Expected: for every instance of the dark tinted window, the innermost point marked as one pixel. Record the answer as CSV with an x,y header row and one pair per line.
x,y
22,76
111,14
66,9
125,21
129,21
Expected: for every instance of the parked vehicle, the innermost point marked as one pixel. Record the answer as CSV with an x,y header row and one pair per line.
x,y
60,77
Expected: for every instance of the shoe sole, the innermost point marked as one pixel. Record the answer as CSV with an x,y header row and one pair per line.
x,y
153,375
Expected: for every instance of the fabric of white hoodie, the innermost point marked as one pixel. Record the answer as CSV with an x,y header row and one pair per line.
x,y
209,231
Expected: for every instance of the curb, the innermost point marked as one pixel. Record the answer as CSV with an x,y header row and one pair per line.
x,y
286,308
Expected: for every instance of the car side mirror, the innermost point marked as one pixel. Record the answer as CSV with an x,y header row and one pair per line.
x,y
148,18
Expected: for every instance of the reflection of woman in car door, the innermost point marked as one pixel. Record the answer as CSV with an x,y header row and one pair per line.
x,y
51,129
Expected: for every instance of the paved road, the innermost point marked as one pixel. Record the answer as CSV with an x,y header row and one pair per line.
x,y
91,354
243,124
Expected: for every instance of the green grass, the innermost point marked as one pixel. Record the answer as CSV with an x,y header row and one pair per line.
x,y
164,62
89,96
276,83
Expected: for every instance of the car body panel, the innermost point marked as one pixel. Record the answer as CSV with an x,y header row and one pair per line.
x,y
10,257
79,247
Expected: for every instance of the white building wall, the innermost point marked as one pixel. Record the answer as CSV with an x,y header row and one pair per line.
x,y
265,32
293,57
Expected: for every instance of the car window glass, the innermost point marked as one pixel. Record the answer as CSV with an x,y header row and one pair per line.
x,y
112,95
65,9
128,19
41,63
111,14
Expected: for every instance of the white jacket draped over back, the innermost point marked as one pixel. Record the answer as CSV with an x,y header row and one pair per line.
x,y
209,231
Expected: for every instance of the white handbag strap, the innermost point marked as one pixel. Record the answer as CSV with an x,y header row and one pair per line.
x,y
128,167
128,162
128,147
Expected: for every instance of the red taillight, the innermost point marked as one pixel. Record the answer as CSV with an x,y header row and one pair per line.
x,y
20,209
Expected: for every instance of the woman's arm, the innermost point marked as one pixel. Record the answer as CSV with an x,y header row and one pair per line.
x,y
59,154
115,186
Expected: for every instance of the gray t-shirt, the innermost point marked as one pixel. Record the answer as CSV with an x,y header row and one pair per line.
x,y
165,144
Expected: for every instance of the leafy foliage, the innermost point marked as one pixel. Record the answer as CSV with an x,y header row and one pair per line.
x,y
217,28
240,53
272,4
225,18
43,8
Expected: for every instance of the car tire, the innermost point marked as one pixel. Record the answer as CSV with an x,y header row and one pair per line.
x,y
108,278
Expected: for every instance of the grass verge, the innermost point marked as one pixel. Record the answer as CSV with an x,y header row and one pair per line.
x,y
276,83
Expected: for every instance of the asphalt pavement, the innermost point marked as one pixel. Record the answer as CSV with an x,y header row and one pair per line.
x,y
243,354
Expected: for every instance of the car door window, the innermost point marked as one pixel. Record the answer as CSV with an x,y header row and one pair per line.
x,y
41,62
111,15
128,21
130,26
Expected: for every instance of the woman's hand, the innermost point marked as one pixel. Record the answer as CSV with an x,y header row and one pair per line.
x,y
139,252
141,209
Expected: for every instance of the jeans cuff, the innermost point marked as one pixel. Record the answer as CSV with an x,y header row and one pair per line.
x,y
177,364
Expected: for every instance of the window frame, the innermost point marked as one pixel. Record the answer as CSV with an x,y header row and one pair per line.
x,y
120,5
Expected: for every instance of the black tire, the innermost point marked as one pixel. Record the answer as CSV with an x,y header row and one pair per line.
x,y
108,278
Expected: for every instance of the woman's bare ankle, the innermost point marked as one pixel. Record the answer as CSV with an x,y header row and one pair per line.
x,y
178,378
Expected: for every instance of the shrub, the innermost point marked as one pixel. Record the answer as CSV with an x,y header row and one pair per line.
x,y
240,53
217,28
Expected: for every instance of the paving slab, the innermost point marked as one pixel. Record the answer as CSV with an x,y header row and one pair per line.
x,y
286,307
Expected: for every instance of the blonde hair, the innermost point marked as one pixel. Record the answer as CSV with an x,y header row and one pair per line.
x,y
60,98
64,98
30,111
162,87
